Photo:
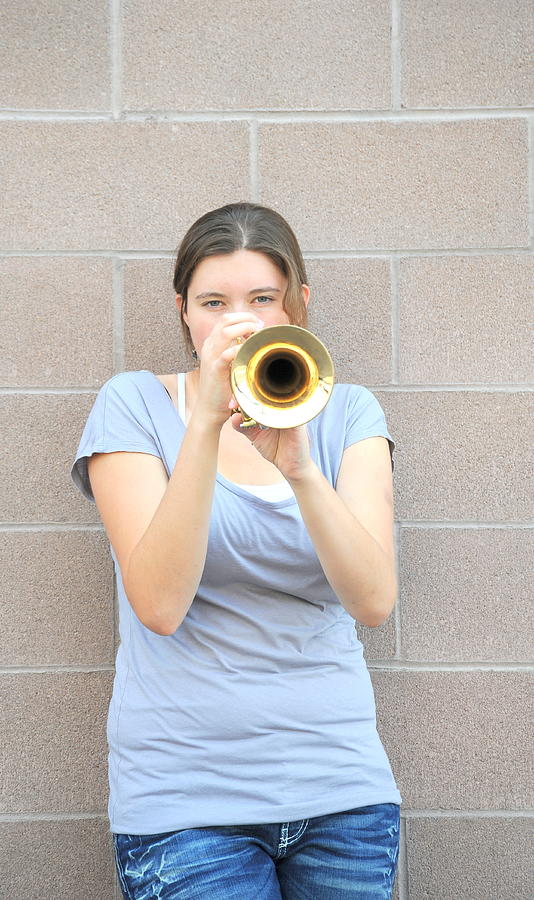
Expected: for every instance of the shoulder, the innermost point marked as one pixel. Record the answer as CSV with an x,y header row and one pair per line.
x,y
124,382
128,396
130,388
352,414
348,399
351,392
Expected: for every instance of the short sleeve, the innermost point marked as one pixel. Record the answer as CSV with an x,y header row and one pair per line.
x,y
366,419
119,420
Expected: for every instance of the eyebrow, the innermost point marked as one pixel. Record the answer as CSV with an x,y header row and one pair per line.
x,y
223,296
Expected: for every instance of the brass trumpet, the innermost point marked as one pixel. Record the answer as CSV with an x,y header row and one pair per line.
x,y
281,377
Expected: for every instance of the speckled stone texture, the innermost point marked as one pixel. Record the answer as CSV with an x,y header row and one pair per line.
x,y
58,860
360,340
457,54
456,739
104,185
470,858
62,610
466,319
57,323
462,455
467,594
53,741
152,332
268,54
398,185
55,55
41,433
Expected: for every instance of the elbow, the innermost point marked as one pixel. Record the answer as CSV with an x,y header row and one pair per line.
x,y
381,605
165,629
154,614
159,620
376,614
157,610
375,620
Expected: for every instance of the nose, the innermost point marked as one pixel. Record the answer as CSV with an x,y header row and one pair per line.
x,y
239,305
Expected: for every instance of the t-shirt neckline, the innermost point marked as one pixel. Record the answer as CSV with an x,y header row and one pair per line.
x,y
225,482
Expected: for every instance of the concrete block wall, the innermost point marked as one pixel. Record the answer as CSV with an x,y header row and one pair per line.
x,y
396,137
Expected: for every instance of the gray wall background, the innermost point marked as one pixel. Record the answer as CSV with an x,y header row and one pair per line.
x,y
395,138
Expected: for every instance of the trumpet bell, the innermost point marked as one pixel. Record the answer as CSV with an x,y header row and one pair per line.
x,y
282,376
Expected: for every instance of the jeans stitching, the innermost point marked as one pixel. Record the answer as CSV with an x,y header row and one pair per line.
x,y
286,841
282,843
299,833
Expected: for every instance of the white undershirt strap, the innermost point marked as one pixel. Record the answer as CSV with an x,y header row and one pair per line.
x,y
273,492
181,396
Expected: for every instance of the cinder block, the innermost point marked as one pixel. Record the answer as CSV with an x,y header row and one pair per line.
x,y
152,331
350,310
57,322
378,643
471,858
398,185
41,434
61,611
466,595
466,319
111,185
458,739
243,55
53,742
55,55
462,454
61,860
458,56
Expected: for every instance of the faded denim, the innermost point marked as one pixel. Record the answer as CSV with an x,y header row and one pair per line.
x,y
351,854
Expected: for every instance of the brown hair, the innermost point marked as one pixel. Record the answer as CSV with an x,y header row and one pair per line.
x,y
243,226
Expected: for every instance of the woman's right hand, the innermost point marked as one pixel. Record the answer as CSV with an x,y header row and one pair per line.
x,y
214,395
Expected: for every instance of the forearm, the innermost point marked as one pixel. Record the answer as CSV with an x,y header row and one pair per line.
x,y
166,566
359,571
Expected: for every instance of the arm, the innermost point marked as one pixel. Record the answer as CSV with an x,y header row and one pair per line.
x,y
159,527
352,528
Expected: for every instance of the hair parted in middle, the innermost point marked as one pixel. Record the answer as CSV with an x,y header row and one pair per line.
x,y
243,226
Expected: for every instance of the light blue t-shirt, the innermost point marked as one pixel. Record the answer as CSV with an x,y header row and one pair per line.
x,y
259,708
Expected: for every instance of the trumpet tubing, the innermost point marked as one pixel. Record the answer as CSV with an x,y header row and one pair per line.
x,y
282,377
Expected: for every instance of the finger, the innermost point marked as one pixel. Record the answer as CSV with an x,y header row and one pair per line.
x,y
251,432
239,329
246,316
236,420
230,353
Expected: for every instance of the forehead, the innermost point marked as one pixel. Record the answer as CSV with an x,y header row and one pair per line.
x,y
239,269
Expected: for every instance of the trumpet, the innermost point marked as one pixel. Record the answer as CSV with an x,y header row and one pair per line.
x,y
281,377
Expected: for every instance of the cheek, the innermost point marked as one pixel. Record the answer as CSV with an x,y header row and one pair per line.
x,y
199,332
275,316
284,318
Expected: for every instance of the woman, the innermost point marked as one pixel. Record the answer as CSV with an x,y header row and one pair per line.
x,y
244,758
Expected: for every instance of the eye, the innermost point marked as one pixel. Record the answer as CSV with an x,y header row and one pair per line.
x,y
212,304
261,300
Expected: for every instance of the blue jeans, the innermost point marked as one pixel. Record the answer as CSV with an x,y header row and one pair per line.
x,y
351,854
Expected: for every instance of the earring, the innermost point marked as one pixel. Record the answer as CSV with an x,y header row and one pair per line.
x,y
194,354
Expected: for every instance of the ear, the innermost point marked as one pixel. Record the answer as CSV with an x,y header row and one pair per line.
x,y
305,294
179,305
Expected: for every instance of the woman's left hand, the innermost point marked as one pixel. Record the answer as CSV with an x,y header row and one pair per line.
x,y
287,448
